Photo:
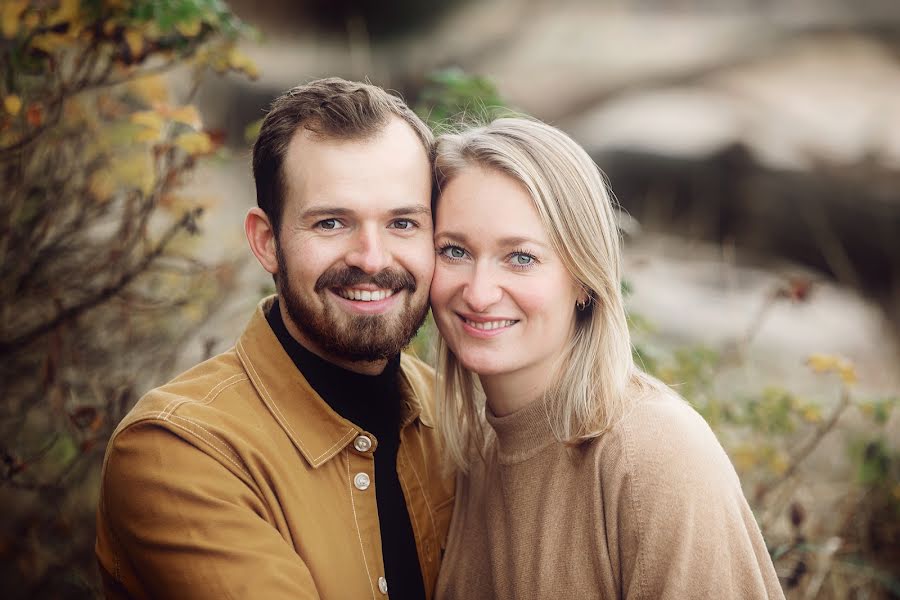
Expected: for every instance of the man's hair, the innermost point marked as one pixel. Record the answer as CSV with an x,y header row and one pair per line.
x,y
332,108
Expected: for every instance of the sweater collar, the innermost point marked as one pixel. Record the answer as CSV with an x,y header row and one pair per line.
x,y
522,434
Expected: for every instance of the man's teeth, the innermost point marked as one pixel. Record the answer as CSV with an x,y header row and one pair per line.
x,y
488,325
365,295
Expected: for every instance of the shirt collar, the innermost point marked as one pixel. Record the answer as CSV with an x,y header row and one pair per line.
x,y
316,430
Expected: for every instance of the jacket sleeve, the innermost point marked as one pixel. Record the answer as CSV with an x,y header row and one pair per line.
x,y
685,528
183,524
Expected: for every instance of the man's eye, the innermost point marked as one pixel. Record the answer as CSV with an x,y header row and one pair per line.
x,y
403,224
329,224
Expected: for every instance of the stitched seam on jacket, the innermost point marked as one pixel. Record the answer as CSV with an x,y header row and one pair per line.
x,y
424,491
358,532
211,443
207,399
343,440
283,420
280,417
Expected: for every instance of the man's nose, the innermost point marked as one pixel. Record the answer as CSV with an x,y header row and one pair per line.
x,y
481,291
368,253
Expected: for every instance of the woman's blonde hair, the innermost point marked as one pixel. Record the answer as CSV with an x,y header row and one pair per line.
x,y
588,391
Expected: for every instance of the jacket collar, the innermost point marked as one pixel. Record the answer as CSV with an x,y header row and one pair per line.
x,y
315,429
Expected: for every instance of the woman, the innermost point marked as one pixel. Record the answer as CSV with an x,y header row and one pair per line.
x,y
581,476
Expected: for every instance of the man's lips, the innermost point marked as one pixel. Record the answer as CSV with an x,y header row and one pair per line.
x,y
364,294
366,301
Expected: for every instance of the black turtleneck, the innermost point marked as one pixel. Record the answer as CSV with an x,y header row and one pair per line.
x,y
374,404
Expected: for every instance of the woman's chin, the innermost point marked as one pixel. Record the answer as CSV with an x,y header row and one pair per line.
x,y
483,367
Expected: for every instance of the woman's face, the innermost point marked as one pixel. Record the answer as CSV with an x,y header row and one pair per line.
x,y
501,296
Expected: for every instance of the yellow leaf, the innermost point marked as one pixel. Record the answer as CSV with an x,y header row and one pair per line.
x,y
194,142
148,118
811,413
828,363
12,104
152,31
135,170
189,28
822,363
135,41
147,135
67,11
9,17
152,89
778,463
745,458
848,373
50,42
187,115
241,62
102,186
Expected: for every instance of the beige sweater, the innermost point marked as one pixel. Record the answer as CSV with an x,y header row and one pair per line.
x,y
651,510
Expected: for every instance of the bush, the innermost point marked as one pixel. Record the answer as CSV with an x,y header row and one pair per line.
x,y
100,282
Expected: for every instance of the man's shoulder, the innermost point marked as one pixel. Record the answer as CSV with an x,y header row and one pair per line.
x,y
215,389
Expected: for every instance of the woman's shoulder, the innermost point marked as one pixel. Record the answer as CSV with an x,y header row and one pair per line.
x,y
660,440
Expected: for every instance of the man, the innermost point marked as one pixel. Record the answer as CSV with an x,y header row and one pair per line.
x,y
303,462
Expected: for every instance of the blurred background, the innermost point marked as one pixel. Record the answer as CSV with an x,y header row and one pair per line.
x,y
754,147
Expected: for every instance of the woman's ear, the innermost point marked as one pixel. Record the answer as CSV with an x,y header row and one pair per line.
x,y
261,237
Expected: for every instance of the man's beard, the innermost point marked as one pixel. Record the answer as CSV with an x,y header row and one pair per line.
x,y
352,337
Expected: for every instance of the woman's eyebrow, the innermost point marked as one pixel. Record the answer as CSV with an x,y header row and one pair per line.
x,y
505,242
519,240
453,236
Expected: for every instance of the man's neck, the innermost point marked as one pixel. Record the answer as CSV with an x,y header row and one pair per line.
x,y
361,367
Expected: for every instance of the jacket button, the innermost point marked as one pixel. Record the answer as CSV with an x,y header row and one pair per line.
x,y
382,585
361,481
362,443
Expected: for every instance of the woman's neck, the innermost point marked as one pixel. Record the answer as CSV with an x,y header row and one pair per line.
x,y
507,393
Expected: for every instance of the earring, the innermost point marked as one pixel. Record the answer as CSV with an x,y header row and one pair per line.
x,y
581,305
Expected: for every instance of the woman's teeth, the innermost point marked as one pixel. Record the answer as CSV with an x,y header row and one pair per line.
x,y
488,325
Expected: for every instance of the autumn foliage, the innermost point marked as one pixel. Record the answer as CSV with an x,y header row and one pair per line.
x,y
100,280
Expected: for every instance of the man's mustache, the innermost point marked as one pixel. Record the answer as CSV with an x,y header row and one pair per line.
x,y
388,279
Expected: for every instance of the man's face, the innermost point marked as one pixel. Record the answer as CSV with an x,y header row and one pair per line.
x,y
355,251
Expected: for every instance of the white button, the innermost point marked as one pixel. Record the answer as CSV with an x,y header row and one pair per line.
x,y
362,443
361,481
382,585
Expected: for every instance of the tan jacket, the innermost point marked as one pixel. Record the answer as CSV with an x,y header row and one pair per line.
x,y
236,480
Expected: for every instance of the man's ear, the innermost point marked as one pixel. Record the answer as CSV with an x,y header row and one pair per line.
x,y
262,238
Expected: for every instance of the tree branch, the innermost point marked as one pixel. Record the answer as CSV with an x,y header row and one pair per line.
x,y
103,294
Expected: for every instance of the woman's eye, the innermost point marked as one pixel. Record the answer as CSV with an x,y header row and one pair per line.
x,y
329,224
520,259
454,252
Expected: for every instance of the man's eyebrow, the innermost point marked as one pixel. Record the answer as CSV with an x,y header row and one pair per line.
x,y
415,209
338,211
325,211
